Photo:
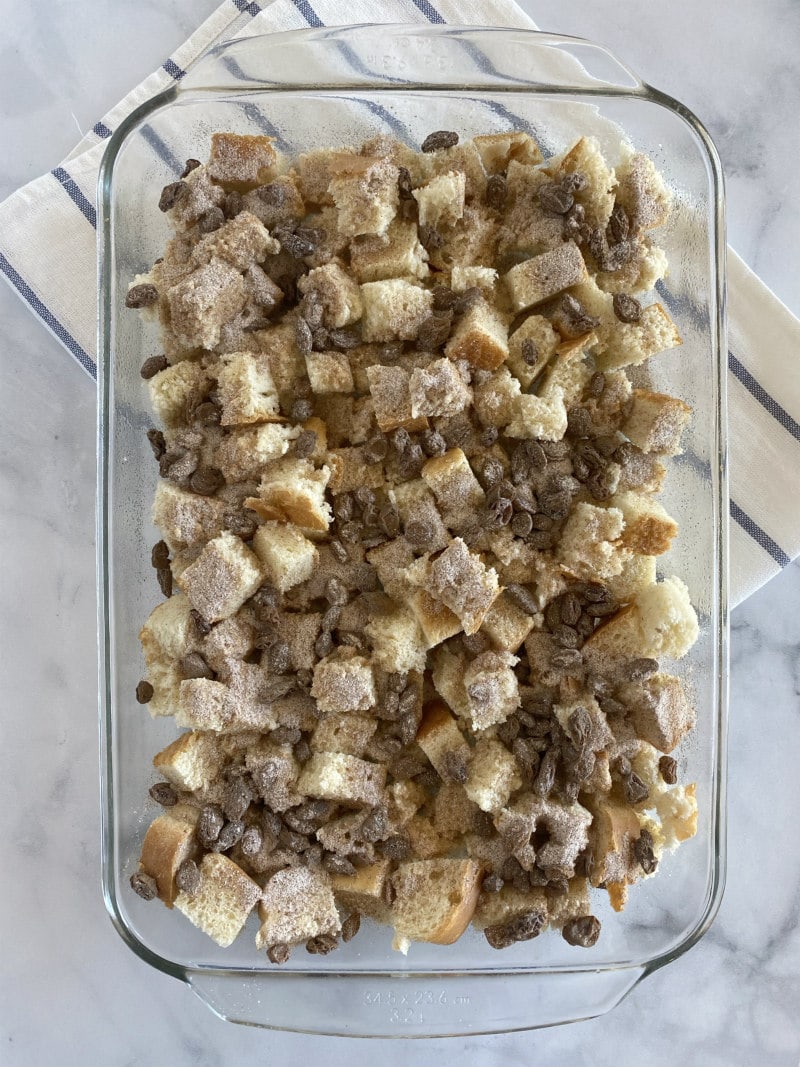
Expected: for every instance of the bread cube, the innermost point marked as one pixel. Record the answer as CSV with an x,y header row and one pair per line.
x,y
642,193
350,471
241,160
343,683
506,624
498,149
454,814
169,629
287,554
224,899
200,304
441,199
640,274
435,899
243,454
397,255
615,827
390,561
337,293
246,389
539,417
629,344
492,689
175,387
190,762
462,583
390,388
231,639
292,490
567,827
343,778
675,806
347,732
660,710
493,775
241,241
495,398
364,891
638,572
458,492
590,542
480,337
329,372
543,343
425,840
397,641
394,309
656,422
300,633
473,277
649,530
462,158
275,771
436,621
296,905
225,574
440,738
169,841
280,201
438,389
366,195
405,800
541,277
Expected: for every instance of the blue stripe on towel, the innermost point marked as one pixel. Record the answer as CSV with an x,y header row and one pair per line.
x,y
76,196
768,402
759,536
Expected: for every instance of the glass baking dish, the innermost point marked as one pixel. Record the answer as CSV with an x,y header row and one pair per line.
x,y
316,88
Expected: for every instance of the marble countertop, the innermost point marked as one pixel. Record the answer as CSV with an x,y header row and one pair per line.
x,y
72,989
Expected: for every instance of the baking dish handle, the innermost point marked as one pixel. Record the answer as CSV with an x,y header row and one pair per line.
x,y
382,1005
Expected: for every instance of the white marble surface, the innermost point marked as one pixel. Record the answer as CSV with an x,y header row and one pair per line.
x,y
71,990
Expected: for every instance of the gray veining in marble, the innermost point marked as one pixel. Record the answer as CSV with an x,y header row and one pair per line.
x,y
71,990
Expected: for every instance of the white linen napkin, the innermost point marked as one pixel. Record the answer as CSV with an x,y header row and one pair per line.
x,y
57,212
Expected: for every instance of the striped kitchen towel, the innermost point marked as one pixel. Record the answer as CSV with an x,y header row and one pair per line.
x,y
57,212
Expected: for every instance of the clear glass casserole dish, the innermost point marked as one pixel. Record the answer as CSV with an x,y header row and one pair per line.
x,y
312,89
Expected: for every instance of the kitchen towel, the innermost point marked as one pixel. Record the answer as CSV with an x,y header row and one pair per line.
x,y
57,212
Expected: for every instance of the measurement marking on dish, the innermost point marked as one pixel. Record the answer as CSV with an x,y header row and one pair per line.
x,y
405,1007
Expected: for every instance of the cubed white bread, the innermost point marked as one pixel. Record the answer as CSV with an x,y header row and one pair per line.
x,y
390,388
615,827
246,389
397,641
224,575
641,471
492,689
191,761
569,370
661,712
642,192
597,197
343,683
240,241
675,806
366,195
493,775
454,814
629,344
638,275
435,899
435,619
300,632
286,553
231,639
293,490
495,398
590,542
567,826
200,304
169,629
498,149
280,201
480,337
405,799
506,624
541,417
462,158
495,909
173,388
335,291
315,170
541,277
222,902
243,454
350,471
346,732
296,905
168,843
656,422
649,530
660,622
241,159
441,199
278,345
536,329
452,481
205,704
186,519
439,735
364,890
390,561
638,572
165,679
394,309
424,839
344,778
416,504
277,765
459,579
397,255
329,372
438,389
473,277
